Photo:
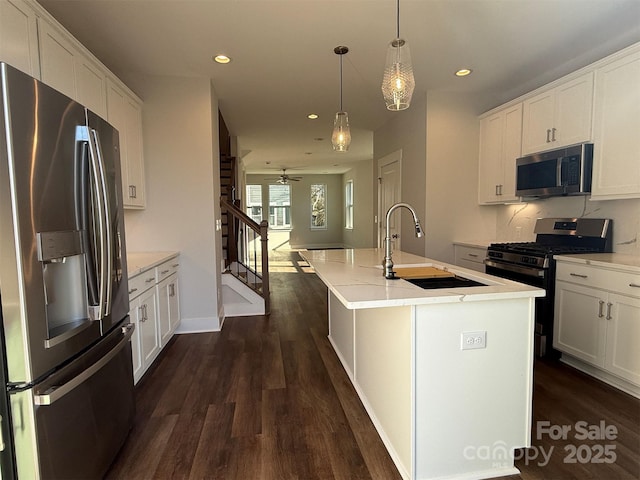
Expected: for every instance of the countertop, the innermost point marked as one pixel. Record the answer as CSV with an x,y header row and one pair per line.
x,y
621,261
138,262
355,278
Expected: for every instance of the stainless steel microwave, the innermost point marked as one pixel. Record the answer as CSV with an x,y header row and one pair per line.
x,y
566,171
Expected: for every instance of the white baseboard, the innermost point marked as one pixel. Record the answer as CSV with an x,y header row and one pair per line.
x,y
199,325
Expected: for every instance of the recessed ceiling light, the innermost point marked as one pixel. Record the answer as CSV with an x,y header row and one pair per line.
x,y
312,116
463,72
221,59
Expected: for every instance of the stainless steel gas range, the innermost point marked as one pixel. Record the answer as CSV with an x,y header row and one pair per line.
x,y
532,263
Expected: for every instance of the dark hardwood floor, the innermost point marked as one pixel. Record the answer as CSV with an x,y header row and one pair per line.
x,y
266,398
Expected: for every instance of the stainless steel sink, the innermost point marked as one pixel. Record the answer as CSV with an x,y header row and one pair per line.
x,y
445,282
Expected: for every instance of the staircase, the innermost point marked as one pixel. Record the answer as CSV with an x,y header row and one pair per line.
x,y
245,283
248,258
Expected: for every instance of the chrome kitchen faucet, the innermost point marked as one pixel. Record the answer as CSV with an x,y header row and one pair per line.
x,y
387,263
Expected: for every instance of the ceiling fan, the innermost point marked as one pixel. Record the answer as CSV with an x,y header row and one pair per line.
x,y
284,179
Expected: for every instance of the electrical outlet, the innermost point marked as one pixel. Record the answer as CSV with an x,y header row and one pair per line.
x,y
471,340
518,233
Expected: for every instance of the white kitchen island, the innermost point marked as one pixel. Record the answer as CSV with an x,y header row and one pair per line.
x,y
442,411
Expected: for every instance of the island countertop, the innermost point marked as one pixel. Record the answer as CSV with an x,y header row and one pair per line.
x,y
355,277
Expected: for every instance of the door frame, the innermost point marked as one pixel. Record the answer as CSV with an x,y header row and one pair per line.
x,y
388,159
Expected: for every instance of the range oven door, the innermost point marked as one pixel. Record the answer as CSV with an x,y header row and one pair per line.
x,y
536,277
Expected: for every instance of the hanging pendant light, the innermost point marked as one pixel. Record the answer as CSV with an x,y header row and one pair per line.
x,y
398,82
341,136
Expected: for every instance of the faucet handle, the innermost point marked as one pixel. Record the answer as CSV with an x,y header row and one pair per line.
x,y
395,235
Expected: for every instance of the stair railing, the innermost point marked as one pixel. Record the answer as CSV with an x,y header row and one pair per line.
x,y
248,251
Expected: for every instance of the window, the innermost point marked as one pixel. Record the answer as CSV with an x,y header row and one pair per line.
x,y
318,206
254,202
279,206
348,205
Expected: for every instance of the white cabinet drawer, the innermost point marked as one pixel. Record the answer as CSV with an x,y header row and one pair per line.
x,y
166,269
141,283
471,254
470,257
611,280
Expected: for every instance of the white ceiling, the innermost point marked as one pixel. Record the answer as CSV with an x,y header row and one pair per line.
x,y
284,67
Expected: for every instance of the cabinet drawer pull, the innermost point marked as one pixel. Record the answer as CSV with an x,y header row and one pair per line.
x,y
548,134
150,279
600,305
133,290
578,275
163,272
553,134
175,265
609,305
635,285
474,255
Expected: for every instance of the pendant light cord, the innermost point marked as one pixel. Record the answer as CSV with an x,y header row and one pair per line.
x,y
341,83
398,19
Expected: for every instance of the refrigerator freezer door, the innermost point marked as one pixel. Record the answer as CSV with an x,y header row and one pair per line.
x,y
81,414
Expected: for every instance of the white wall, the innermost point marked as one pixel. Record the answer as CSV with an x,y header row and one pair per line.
x,y
363,234
452,210
406,132
182,187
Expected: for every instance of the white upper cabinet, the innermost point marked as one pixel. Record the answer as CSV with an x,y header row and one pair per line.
x,y
124,112
500,146
616,128
19,36
57,59
558,117
91,83
65,68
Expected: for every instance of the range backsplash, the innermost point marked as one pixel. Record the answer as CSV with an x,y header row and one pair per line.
x,y
515,223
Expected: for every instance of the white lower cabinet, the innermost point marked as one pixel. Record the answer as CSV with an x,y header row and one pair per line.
x,y
597,322
471,257
155,311
168,307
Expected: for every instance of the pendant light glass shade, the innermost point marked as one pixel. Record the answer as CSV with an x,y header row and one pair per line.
x,y
341,136
398,81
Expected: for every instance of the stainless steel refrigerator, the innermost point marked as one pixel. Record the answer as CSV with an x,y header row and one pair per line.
x,y
66,355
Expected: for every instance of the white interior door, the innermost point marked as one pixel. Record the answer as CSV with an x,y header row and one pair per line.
x,y
389,176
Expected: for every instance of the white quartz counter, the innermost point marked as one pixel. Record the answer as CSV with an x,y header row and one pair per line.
x,y
630,263
138,262
355,277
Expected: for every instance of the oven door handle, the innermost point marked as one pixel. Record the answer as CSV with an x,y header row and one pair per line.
x,y
531,272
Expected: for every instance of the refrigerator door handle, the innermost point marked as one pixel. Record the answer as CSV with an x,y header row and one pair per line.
x,y
108,234
97,171
56,393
